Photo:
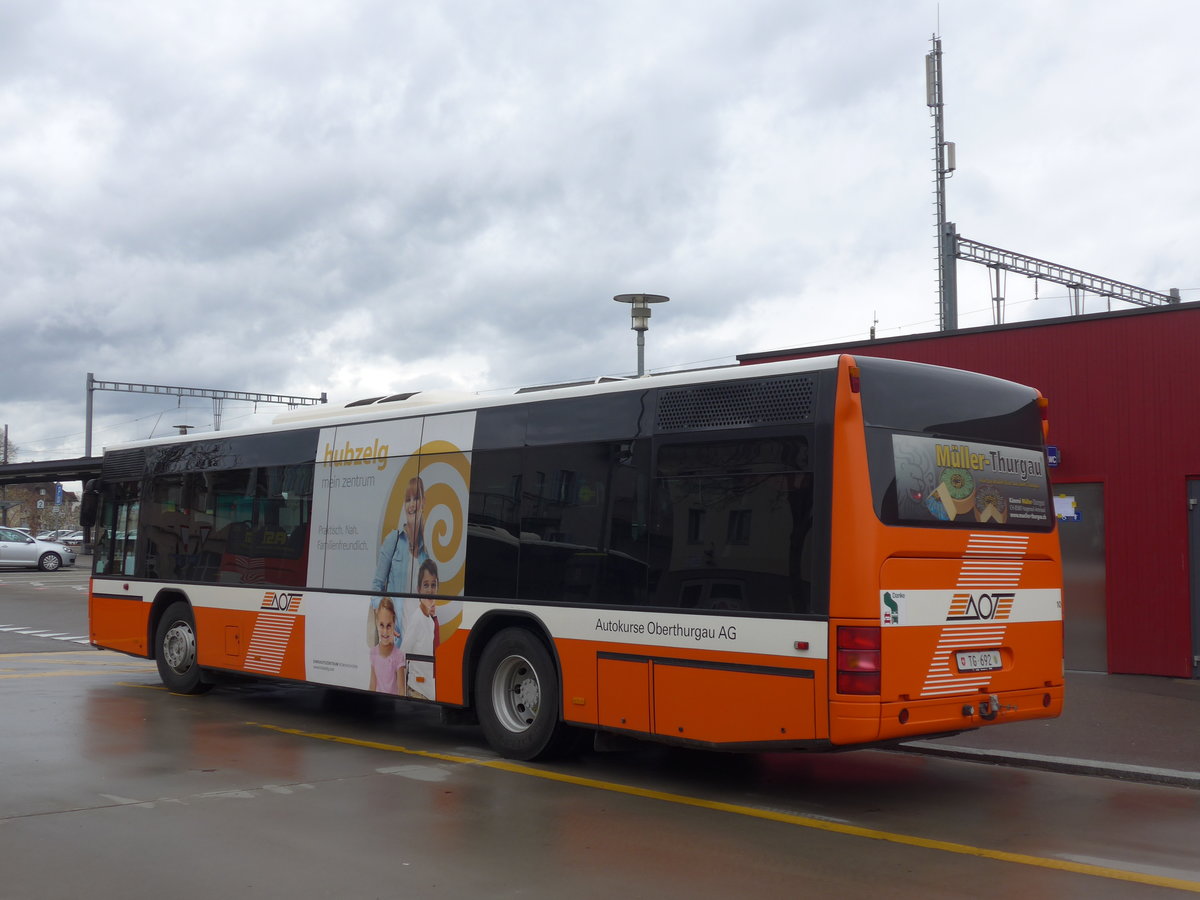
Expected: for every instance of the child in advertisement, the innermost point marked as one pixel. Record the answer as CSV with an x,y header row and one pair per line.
x,y
387,660
421,633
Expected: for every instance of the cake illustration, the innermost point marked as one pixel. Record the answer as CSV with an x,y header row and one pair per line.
x,y
959,485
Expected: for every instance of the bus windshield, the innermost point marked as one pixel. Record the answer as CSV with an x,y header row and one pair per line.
x,y
954,449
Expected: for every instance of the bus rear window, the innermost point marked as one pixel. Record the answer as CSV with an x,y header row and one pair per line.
x,y
954,449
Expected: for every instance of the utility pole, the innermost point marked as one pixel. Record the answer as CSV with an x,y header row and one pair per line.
x,y
952,247
943,167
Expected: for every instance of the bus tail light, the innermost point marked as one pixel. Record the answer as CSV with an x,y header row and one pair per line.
x,y
1044,408
858,659
855,380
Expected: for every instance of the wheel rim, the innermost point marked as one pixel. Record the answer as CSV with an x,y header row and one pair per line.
x,y
50,562
516,694
179,647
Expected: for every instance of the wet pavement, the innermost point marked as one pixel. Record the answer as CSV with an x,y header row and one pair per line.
x,y
270,789
1134,727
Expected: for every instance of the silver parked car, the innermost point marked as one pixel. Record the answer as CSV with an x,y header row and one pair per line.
x,y
19,549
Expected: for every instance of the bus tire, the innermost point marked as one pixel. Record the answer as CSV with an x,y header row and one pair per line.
x,y
518,697
175,651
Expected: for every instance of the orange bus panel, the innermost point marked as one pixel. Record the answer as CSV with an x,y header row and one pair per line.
x,y
119,623
720,705
624,693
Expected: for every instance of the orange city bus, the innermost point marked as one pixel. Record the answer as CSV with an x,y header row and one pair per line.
x,y
807,555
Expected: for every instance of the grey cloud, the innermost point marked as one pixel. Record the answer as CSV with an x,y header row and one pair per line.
x,y
289,198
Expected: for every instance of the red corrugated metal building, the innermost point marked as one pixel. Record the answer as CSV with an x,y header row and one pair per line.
x,y
1124,395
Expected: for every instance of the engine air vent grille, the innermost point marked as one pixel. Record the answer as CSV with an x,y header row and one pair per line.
x,y
737,403
123,465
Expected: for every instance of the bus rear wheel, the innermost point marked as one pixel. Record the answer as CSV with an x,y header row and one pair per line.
x,y
518,697
175,651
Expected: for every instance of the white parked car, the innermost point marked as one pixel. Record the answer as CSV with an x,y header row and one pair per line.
x,y
53,536
19,549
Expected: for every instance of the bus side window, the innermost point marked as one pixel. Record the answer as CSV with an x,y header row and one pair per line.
x,y
731,525
582,534
494,523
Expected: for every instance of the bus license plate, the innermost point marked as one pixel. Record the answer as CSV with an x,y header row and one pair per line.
x,y
978,660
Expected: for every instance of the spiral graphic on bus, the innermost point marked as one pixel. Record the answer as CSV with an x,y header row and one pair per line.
x,y
443,473
448,479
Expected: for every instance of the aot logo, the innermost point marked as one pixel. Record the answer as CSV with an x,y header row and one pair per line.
x,y
996,606
281,601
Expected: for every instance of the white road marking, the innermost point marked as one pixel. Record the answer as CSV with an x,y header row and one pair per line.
x,y
52,635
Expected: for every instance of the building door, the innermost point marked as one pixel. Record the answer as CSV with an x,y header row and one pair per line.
x,y
1080,508
1194,566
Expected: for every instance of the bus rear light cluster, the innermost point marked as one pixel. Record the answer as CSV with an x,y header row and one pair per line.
x,y
858,658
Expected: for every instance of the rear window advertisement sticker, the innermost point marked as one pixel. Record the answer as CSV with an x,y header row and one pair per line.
x,y
960,481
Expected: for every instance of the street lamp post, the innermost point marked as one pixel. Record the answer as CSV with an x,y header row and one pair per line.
x,y
640,311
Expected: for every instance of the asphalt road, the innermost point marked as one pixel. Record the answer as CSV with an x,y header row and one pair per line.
x,y
109,785
34,604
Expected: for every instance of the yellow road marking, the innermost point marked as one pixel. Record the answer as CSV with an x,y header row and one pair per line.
x,y
785,818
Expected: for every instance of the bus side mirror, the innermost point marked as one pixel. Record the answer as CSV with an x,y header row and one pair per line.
x,y
89,504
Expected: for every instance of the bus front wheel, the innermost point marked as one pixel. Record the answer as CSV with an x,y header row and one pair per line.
x,y
175,651
518,697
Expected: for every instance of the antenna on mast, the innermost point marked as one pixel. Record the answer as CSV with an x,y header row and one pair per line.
x,y
944,164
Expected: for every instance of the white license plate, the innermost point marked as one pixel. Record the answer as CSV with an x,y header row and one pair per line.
x,y
978,660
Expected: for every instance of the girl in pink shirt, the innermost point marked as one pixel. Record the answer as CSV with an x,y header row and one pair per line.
x,y
387,660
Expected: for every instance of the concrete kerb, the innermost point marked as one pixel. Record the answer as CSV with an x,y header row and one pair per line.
x,y
1061,764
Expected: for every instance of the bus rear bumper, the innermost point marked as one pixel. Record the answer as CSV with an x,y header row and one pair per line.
x,y
860,723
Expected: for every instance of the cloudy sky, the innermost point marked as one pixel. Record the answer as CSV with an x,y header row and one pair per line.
x,y
365,196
